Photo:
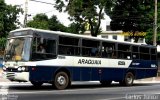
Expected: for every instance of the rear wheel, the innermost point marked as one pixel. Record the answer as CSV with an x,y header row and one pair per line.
x,y
61,80
128,80
36,84
105,83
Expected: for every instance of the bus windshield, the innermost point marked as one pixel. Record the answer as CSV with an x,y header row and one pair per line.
x,y
18,49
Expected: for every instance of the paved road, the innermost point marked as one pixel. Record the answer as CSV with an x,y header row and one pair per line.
x,y
87,91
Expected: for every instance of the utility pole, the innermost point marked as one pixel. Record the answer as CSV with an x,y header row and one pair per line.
x,y
155,25
25,13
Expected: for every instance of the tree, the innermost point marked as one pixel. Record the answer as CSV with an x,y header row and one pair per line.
x,y
8,18
132,16
42,21
150,31
39,21
84,11
2,43
55,25
75,28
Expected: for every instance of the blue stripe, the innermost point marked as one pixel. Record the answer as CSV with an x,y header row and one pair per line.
x,y
46,74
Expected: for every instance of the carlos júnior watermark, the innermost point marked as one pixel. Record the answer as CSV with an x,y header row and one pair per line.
x,y
8,97
142,96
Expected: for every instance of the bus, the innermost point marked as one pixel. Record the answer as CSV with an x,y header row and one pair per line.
x,y
71,57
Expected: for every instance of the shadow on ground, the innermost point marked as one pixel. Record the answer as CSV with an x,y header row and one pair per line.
x,y
74,86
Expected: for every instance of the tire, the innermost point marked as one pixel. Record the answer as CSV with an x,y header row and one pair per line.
x,y
61,81
36,84
128,80
105,83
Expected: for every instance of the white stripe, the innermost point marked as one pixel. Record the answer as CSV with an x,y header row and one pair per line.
x,y
72,61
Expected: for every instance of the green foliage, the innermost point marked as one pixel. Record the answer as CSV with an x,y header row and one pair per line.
x,y
55,25
39,21
132,15
158,21
84,11
150,31
42,21
149,36
8,20
75,28
2,43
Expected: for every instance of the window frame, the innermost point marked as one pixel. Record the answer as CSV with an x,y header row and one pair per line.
x,y
71,51
43,56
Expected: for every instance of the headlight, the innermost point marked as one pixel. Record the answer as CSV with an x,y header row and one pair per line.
x,y
23,68
4,68
19,69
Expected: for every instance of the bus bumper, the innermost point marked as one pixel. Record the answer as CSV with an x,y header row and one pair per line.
x,y
17,76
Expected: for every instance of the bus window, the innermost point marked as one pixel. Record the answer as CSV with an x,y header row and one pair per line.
x,y
18,49
43,49
108,50
153,54
135,52
68,46
124,51
144,53
90,48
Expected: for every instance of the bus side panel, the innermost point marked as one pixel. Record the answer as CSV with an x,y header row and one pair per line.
x,y
145,73
42,73
139,73
85,74
144,69
115,74
151,73
96,74
76,74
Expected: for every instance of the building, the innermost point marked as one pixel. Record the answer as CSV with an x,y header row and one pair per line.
x,y
117,35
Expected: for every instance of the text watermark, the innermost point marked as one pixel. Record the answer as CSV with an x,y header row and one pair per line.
x,y
142,97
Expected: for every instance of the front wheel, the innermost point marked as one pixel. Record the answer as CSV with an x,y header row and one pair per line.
x,y
128,80
61,80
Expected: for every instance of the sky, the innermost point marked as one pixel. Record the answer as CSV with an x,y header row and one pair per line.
x,y
36,7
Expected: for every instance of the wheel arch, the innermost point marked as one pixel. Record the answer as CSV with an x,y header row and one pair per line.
x,y
132,71
64,70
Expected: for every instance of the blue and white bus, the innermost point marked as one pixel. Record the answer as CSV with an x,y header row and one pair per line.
x,y
71,57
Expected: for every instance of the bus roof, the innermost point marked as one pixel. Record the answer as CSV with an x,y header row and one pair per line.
x,y
78,35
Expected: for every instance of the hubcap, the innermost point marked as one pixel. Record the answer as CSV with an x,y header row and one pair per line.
x,y
61,80
129,79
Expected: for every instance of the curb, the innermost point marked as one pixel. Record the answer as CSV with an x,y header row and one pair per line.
x,y
153,81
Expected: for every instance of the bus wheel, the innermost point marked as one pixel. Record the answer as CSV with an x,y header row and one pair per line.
x,y
61,80
105,83
36,84
128,80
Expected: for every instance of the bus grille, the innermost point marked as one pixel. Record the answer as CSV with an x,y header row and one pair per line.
x,y
12,69
10,75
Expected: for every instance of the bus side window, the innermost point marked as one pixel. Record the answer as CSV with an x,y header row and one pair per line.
x,y
108,50
68,45
47,52
94,51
